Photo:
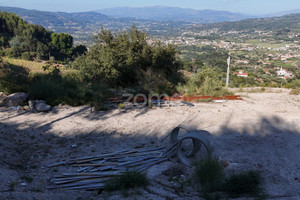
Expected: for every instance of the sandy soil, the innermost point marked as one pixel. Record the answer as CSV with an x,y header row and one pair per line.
x,y
261,132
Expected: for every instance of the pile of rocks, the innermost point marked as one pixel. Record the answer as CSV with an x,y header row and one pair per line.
x,y
39,105
15,99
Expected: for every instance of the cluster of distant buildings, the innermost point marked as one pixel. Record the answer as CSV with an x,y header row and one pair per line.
x,y
281,73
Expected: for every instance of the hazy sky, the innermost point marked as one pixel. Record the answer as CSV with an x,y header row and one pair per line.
x,y
241,6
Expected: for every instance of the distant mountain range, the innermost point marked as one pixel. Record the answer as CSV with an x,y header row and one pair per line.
x,y
161,13
284,23
279,14
84,25
57,21
162,21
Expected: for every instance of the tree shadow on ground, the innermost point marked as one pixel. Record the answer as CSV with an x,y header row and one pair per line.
x,y
270,145
28,150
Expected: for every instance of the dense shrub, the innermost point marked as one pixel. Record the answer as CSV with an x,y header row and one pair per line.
x,y
125,59
28,55
207,82
68,88
13,78
212,87
55,89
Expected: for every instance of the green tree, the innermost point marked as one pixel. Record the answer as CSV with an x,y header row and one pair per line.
x,y
79,50
62,45
23,38
125,59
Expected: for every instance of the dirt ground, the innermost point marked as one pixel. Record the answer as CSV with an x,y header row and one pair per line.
x,y
261,132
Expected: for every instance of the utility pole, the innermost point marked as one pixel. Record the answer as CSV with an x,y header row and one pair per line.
x,y
227,77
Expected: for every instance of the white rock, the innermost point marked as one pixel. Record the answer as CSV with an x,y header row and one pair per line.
x,y
40,106
31,104
23,184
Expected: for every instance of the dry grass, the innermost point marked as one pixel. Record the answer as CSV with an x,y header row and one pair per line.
x,y
33,66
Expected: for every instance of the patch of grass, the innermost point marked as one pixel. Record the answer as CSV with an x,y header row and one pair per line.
x,y
128,179
209,174
211,180
264,44
36,189
295,91
67,89
204,100
55,89
27,178
12,185
247,183
121,106
33,166
18,165
210,87
213,88
30,65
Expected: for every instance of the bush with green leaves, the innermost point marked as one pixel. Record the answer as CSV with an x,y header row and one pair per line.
x,y
125,59
208,82
126,180
68,88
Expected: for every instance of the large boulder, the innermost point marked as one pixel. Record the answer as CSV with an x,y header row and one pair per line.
x,y
41,106
13,99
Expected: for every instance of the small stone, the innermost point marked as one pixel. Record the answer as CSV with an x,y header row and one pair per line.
x,y
26,108
23,184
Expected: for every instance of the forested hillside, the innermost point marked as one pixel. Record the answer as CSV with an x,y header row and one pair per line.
x,y
21,39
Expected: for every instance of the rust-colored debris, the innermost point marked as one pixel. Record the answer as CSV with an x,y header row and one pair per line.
x,y
199,98
173,98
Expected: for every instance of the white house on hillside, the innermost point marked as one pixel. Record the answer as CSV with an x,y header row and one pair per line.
x,y
283,73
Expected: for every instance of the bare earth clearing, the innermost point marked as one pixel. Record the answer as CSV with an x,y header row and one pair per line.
x,y
262,132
